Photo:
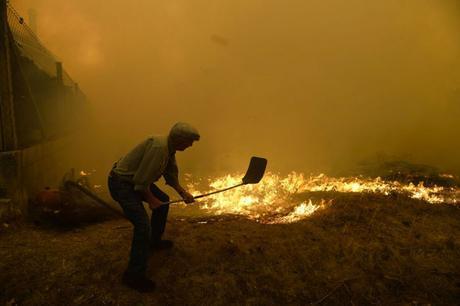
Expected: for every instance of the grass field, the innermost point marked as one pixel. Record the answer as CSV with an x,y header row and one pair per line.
x,y
362,250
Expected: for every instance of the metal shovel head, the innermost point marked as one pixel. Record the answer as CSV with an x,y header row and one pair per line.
x,y
255,171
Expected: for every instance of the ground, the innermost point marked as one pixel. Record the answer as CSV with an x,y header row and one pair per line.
x,y
361,250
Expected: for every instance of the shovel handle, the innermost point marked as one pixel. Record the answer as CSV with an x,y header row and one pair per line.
x,y
205,194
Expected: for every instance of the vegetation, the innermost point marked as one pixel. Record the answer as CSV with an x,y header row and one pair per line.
x,y
361,250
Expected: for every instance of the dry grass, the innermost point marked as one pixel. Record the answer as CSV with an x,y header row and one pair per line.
x,y
360,251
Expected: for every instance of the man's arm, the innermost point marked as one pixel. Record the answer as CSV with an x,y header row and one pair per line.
x,y
171,176
188,198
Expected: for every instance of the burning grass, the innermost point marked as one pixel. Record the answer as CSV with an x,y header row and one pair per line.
x,y
364,249
276,198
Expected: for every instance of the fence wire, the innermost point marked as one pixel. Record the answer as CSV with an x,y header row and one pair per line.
x,y
32,48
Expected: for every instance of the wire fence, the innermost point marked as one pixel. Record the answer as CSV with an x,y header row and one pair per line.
x,y
32,48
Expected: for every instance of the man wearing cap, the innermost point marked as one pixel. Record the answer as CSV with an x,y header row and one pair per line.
x,y
131,182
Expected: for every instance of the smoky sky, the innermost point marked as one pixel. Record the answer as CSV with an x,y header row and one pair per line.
x,y
311,85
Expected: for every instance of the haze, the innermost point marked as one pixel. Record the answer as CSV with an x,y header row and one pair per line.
x,y
311,85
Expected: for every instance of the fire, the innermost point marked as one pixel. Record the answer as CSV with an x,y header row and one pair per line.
x,y
300,212
273,199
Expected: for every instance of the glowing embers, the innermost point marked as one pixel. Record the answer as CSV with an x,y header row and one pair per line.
x,y
273,200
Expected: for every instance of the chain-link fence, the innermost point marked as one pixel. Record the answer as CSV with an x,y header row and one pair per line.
x,y
31,47
48,103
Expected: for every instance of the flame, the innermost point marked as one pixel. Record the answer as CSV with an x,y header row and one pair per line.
x,y
273,199
300,212
87,172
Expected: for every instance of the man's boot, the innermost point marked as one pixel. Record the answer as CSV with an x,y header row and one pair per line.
x,y
161,245
138,282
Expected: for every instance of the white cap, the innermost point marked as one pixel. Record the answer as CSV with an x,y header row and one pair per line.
x,y
184,130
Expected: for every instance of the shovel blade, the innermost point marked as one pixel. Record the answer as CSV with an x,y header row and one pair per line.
x,y
255,170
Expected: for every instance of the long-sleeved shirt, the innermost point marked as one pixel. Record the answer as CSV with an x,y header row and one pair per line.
x,y
147,162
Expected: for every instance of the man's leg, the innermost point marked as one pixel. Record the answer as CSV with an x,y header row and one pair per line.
x,y
159,215
135,212
131,203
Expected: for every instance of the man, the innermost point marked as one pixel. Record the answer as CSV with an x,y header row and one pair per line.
x,y
131,182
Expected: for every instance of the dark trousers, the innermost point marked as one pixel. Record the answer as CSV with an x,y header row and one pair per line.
x,y
146,232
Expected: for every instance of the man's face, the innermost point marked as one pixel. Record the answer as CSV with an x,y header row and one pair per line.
x,y
182,144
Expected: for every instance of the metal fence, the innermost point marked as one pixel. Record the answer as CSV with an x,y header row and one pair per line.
x,y
32,48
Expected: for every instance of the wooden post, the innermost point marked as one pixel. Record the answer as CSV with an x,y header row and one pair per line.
x,y
8,139
59,75
33,20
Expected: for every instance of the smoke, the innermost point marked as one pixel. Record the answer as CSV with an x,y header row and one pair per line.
x,y
311,85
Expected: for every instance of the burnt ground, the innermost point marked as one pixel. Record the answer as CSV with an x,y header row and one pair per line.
x,y
362,250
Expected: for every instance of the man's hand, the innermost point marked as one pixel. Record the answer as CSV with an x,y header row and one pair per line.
x,y
154,203
152,200
188,198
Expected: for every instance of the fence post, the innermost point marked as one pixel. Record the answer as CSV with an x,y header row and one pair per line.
x,y
59,75
8,139
33,20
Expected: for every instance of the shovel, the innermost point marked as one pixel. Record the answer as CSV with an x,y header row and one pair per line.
x,y
253,175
